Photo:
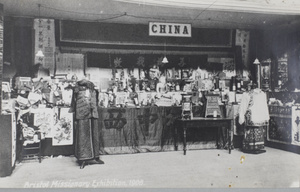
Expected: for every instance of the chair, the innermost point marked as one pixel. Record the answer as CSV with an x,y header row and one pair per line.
x,y
31,147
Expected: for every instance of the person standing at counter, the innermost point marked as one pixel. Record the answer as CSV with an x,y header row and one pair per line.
x,y
254,114
84,104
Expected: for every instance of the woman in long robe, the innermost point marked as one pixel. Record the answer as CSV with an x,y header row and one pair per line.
x,y
254,114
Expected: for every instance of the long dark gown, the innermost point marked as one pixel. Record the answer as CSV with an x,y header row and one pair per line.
x,y
86,114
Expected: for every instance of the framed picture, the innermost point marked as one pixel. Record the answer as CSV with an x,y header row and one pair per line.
x,y
265,73
185,74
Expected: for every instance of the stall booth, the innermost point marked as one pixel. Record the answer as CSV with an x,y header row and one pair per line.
x,y
145,85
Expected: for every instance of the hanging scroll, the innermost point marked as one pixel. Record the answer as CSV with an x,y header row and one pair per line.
x,y
45,41
242,39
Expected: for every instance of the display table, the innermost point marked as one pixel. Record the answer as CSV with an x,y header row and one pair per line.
x,y
280,126
136,130
202,122
147,129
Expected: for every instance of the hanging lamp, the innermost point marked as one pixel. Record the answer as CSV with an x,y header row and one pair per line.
x,y
165,60
256,62
40,52
258,67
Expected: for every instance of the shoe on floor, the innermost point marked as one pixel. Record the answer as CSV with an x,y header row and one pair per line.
x,y
95,161
99,161
82,164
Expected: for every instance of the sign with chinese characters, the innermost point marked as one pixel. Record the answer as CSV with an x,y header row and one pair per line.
x,y
170,29
45,41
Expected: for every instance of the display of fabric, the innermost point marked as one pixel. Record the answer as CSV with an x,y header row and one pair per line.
x,y
145,129
254,114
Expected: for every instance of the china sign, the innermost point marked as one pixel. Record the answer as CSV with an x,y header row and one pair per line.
x,y
170,29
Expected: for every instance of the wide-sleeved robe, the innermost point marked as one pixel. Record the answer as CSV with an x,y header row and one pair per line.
x,y
255,114
84,103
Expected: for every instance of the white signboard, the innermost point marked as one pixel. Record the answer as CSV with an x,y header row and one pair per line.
x,y
170,29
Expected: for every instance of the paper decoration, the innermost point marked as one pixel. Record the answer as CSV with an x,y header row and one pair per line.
x,y
228,67
45,41
44,120
67,96
136,73
121,98
63,127
34,97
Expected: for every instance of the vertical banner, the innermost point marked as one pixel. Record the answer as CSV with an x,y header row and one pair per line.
x,y
1,53
242,39
45,41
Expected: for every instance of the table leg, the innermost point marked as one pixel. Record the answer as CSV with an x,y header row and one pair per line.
x,y
253,139
184,140
40,152
229,137
175,138
217,138
22,152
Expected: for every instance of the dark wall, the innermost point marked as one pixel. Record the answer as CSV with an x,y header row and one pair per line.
x,y
272,44
278,43
18,46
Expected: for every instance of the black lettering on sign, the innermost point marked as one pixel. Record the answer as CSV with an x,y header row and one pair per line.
x,y
145,120
116,119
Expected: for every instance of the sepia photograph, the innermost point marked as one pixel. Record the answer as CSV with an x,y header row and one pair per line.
x,y
183,95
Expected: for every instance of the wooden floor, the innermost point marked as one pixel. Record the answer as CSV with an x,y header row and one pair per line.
x,y
211,168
